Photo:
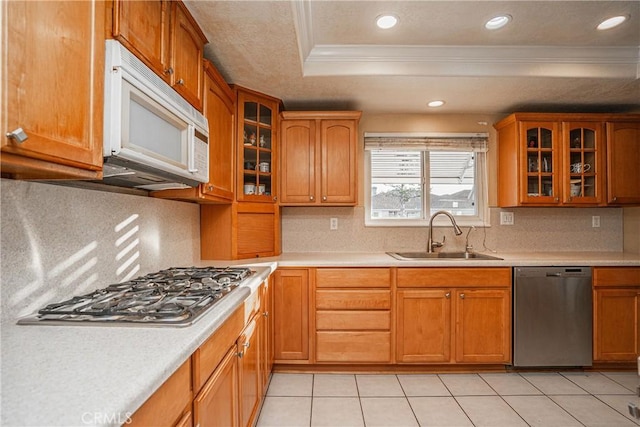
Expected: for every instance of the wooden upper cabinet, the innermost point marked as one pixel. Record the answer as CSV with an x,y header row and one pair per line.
x,y
623,160
53,89
187,50
143,28
556,159
319,158
164,35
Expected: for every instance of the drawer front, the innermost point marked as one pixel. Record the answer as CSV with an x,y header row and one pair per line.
x,y
353,278
616,276
353,320
252,305
209,355
372,347
454,277
353,300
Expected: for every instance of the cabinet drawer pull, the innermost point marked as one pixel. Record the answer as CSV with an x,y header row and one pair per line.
x,y
266,314
461,296
18,135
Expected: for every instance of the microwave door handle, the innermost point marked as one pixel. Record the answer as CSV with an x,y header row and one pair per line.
x,y
191,148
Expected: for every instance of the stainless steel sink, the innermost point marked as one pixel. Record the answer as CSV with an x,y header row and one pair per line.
x,y
416,256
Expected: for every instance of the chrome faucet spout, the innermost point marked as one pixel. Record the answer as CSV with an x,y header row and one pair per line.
x,y
431,244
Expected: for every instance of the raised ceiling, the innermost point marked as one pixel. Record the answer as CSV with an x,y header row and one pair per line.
x,y
317,54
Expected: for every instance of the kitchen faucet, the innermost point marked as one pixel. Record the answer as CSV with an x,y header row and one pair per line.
x,y
431,244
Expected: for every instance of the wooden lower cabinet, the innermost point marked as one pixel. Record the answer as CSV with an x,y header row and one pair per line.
x,y
291,315
249,371
266,339
453,315
353,315
217,403
616,320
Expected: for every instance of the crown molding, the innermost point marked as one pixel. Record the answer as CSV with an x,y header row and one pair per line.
x,y
474,61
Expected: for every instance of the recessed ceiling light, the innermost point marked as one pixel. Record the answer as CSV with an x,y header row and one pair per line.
x,y
497,22
436,104
386,21
611,22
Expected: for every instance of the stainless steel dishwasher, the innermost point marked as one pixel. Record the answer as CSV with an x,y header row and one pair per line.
x,y
552,316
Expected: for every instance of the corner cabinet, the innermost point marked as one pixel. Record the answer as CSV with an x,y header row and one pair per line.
x,y
59,108
616,320
257,136
164,35
560,159
219,107
318,155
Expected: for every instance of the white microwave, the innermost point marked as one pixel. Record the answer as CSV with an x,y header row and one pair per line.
x,y
153,138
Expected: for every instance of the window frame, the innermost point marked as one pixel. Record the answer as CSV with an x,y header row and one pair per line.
x,y
481,219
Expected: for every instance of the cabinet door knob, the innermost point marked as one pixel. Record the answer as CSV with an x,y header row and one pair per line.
x,y
324,198
311,198
18,135
266,314
447,295
180,82
168,71
240,354
275,198
615,199
461,296
247,344
210,187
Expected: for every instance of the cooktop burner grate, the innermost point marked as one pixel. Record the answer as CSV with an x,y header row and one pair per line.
x,y
178,296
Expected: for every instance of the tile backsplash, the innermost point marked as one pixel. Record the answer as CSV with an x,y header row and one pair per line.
x,y
534,229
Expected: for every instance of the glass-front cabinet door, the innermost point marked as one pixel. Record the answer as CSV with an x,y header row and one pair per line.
x,y
540,183
583,162
257,141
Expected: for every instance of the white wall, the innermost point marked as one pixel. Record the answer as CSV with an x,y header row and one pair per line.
x,y
57,241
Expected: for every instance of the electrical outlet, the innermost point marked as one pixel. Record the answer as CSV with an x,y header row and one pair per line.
x,y
595,221
506,218
333,224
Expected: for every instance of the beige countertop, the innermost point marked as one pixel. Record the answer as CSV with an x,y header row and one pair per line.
x,y
512,259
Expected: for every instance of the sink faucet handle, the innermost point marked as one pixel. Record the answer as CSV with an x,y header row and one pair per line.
x,y
435,244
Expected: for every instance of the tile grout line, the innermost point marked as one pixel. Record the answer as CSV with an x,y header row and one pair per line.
x,y
456,400
547,396
407,399
502,398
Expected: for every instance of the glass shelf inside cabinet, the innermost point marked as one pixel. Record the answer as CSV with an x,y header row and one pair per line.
x,y
258,146
540,163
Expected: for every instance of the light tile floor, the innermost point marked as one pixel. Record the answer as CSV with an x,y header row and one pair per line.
x,y
592,399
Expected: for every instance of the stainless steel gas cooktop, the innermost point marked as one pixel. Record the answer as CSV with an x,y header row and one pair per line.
x,y
173,297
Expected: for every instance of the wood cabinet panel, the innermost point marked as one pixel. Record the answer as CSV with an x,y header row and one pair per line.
x,y
167,405
217,404
465,277
338,148
187,50
298,153
353,346
483,325
291,314
617,325
208,356
616,276
353,278
143,28
353,299
256,233
60,108
249,368
344,320
423,326
623,158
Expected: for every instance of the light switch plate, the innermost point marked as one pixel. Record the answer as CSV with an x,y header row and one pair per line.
x,y
506,218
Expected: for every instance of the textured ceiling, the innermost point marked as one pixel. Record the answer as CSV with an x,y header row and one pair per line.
x,y
329,54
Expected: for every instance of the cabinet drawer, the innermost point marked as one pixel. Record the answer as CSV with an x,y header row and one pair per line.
x,y
353,320
209,355
353,300
353,278
353,346
616,276
454,277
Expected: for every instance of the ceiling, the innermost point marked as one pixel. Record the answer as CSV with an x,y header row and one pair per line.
x,y
319,54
